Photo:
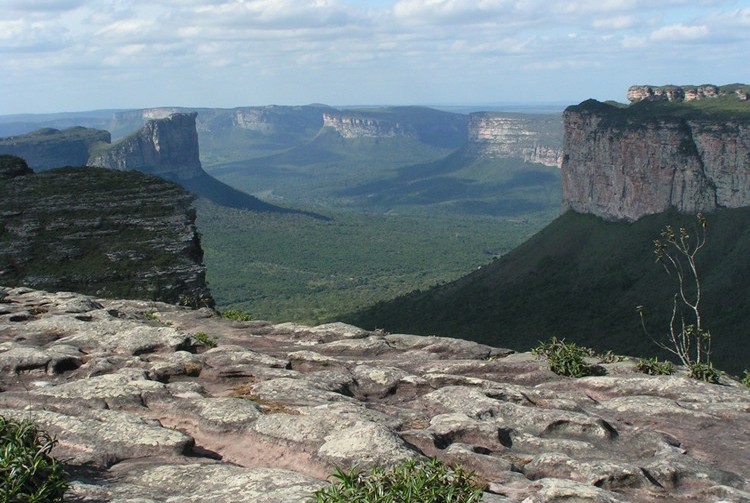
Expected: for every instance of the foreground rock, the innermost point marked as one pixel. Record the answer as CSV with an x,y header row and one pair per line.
x,y
145,412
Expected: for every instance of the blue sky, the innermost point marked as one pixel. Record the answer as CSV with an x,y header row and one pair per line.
x,y
70,55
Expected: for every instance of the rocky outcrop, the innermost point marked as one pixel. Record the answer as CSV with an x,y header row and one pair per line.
x,y
536,139
434,127
52,148
363,126
686,93
144,411
103,232
166,147
624,163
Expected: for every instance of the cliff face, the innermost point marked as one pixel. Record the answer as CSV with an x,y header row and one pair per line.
x,y
52,148
433,127
164,147
533,139
686,93
101,232
622,164
358,126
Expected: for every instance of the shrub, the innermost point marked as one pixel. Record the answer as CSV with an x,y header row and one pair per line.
x,y
704,372
236,315
688,339
29,473
565,358
413,481
652,366
205,339
746,378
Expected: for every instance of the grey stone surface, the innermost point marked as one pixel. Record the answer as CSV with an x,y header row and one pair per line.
x,y
143,414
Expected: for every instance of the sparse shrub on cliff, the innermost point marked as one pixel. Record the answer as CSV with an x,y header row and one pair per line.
x,y
29,473
746,378
205,339
565,358
688,339
236,315
652,366
413,481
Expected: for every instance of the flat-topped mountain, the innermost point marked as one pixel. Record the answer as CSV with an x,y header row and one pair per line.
x,y
621,163
103,232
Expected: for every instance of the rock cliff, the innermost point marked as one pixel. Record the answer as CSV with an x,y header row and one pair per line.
x,y
52,148
434,127
144,411
624,163
98,231
362,126
686,93
166,147
532,138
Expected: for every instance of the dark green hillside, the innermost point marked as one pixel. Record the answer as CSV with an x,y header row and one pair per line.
x,y
581,278
309,174
466,184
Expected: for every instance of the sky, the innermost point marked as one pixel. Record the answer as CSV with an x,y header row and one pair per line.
x,y
76,55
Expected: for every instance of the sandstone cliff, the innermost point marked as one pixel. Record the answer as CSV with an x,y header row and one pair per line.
x,y
52,148
532,138
687,93
146,412
102,232
624,163
166,147
434,127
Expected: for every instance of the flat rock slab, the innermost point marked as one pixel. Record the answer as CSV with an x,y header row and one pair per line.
x,y
146,412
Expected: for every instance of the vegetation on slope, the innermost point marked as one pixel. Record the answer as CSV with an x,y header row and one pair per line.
x,y
580,279
295,268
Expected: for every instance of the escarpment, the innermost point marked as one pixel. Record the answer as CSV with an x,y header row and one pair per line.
x,y
621,163
102,232
532,138
166,147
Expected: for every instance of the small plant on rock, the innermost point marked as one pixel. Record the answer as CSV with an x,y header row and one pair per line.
x,y
652,366
412,481
565,358
205,339
236,315
29,473
688,339
746,378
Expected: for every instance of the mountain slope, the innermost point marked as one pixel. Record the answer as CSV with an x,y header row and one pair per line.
x,y
581,278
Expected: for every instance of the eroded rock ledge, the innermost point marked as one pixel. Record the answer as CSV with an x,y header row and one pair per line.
x,y
144,412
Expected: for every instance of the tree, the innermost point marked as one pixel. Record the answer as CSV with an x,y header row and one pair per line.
x,y
688,338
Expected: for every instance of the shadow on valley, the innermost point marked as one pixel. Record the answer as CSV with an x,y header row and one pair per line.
x,y
581,278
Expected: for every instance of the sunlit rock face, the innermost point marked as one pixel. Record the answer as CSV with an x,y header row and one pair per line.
x,y
622,164
164,147
532,138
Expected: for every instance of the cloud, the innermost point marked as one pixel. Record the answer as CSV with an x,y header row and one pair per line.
x,y
679,33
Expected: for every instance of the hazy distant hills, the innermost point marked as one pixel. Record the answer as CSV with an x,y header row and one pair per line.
x,y
401,159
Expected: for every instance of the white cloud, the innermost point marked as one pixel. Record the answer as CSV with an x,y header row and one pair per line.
x,y
678,33
304,47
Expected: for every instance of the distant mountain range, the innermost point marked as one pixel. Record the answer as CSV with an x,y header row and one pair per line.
x,y
413,158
